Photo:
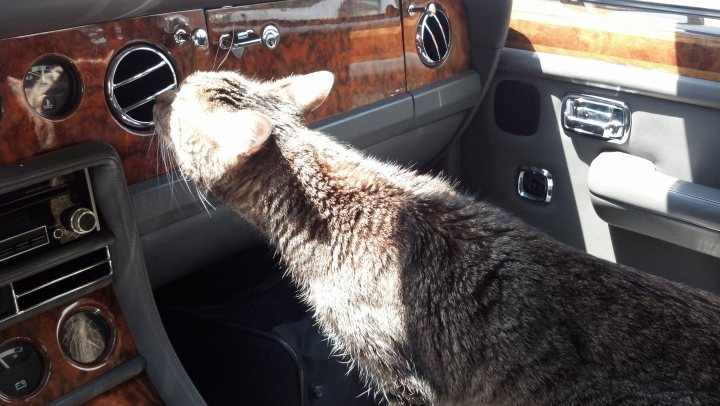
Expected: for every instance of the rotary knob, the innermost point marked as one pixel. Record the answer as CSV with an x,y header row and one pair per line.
x,y
81,220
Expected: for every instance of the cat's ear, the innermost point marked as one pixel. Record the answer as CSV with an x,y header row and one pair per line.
x,y
307,91
239,133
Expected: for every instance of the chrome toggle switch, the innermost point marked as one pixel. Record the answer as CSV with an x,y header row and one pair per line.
x,y
198,37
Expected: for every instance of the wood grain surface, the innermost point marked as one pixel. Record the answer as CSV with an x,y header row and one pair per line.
x,y
359,42
24,134
63,375
619,37
459,58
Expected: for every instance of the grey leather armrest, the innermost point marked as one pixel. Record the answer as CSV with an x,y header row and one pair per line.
x,y
632,180
628,192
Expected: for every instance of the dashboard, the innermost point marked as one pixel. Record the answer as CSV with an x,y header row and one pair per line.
x,y
58,86
83,179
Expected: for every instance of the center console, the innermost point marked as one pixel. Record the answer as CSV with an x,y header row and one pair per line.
x,y
78,323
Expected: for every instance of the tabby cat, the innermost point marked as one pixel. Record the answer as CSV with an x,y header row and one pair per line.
x,y
438,298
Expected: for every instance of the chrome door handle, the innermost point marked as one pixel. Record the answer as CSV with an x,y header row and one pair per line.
x,y
238,42
597,117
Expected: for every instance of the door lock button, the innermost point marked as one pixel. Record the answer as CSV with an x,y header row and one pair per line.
x,y
535,184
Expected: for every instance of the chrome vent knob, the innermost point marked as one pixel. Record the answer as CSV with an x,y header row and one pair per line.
x,y
136,77
432,34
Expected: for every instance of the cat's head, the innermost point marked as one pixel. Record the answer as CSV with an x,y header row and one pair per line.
x,y
218,119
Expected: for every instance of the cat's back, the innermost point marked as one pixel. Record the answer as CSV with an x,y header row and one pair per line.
x,y
611,333
555,325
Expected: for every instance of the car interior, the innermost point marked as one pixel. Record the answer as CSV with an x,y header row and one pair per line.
x,y
596,122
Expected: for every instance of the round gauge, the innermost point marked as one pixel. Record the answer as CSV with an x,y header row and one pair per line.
x,y
22,369
51,87
86,337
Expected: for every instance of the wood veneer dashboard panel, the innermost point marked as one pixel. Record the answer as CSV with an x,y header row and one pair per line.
x,y
64,376
359,42
24,134
459,58
619,37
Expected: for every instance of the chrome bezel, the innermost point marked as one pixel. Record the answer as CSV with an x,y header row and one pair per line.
x,y
136,126
419,43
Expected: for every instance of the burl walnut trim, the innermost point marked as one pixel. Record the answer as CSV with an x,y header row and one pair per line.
x,y
64,376
618,37
24,134
459,58
359,42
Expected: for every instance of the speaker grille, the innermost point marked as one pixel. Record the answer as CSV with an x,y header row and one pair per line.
x,y
136,77
433,36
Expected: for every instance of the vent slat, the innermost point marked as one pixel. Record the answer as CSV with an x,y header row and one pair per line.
x,y
136,77
60,279
140,75
433,36
442,31
148,99
426,29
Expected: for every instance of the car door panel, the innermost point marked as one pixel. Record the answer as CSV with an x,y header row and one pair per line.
x,y
668,81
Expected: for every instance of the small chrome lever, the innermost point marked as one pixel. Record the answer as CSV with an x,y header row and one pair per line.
x,y
238,42
597,117
431,9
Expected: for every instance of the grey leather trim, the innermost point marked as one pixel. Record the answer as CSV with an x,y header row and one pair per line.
x,y
617,78
104,383
663,228
621,183
370,124
631,180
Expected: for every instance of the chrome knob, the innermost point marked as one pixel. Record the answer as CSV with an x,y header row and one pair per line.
x,y
271,37
198,37
81,220
181,36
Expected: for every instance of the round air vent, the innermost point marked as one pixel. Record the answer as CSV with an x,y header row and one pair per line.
x,y
136,77
432,36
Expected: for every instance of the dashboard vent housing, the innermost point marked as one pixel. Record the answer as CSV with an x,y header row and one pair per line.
x,y
433,36
94,268
136,77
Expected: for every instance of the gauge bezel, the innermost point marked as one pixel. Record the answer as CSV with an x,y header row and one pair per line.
x,y
76,85
104,313
40,347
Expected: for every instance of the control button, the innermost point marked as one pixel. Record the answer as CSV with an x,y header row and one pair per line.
x,y
81,220
535,184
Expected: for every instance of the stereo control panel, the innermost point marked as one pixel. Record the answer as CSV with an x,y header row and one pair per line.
x,y
46,214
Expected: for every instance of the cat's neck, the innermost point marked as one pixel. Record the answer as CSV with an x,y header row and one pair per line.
x,y
317,200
